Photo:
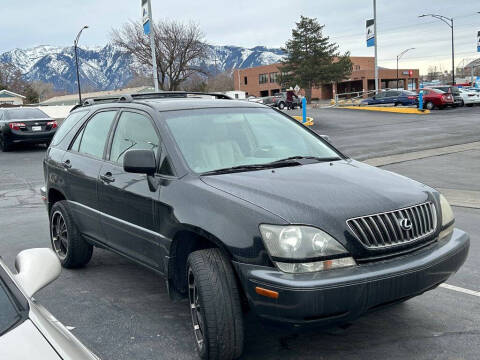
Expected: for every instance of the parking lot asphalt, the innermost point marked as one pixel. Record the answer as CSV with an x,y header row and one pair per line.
x,y
122,311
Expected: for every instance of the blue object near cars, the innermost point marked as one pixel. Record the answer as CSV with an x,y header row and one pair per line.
x,y
395,97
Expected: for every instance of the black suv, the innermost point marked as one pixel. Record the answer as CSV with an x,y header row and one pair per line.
x,y
241,207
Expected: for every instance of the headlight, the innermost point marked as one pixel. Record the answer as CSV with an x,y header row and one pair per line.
x,y
447,217
289,244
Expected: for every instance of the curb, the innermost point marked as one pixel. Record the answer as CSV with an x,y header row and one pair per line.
x,y
389,109
309,121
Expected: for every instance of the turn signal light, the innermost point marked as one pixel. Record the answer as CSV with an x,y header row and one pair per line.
x,y
53,124
265,292
16,125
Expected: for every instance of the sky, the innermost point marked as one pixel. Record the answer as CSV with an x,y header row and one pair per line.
x,y
28,23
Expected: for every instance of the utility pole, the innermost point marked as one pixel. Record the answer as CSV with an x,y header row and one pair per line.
x,y
75,45
376,41
449,22
148,29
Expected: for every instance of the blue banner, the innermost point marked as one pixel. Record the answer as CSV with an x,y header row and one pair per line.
x,y
370,33
478,41
146,28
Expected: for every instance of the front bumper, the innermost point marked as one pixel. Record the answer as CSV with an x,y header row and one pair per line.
x,y
326,298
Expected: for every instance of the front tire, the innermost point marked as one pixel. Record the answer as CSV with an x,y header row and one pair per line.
x,y
281,105
215,305
71,249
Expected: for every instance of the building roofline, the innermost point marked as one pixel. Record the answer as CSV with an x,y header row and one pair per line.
x,y
12,93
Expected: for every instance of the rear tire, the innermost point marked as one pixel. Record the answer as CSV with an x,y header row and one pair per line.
x,y
71,249
215,305
429,105
281,105
4,145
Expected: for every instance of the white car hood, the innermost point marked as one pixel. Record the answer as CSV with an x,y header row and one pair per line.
x,y
26,342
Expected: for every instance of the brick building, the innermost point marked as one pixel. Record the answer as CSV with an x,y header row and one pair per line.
x,y
261,80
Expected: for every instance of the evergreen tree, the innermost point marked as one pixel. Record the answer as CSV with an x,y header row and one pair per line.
x,y
311,59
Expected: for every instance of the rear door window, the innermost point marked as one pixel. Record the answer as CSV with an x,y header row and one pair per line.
x,y
67,124
92,138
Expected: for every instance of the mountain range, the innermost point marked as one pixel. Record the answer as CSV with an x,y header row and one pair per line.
x,y
108,67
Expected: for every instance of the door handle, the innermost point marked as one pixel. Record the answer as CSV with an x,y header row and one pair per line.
x,y
67,164
107,178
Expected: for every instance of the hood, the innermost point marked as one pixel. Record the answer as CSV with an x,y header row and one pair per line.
x,y
324,195
26,342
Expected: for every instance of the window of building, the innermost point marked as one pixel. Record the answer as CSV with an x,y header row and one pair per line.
x,y
245,80
263,78
356,67
273,77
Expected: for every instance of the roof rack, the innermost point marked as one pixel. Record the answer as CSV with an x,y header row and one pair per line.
x,y
150,96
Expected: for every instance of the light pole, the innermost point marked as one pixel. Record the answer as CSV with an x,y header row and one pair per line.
x,y
398,58
449,22
75,44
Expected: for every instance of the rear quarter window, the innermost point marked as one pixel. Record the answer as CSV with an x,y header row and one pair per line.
x,y
67,125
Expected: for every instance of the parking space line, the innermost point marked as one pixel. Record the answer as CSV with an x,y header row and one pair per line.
x,y
460,289
416,155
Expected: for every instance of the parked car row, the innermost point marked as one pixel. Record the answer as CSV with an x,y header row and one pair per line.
x,y
433,97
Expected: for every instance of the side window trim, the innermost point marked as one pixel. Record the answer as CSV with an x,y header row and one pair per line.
x,y
80,132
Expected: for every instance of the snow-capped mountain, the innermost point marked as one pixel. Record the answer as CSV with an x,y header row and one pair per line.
x,y
107,68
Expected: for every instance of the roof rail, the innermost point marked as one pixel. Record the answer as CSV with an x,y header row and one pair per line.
x,y
150,96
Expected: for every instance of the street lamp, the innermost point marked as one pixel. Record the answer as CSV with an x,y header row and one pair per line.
x,y
398,58
449,22
75,44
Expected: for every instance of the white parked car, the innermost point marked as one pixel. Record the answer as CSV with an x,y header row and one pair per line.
x,y
469,97
27,329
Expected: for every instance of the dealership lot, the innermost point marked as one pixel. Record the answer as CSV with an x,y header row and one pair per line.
x,y
122,311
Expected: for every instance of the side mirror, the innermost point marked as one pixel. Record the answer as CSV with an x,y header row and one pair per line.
x,y
36,268
326,138
140,162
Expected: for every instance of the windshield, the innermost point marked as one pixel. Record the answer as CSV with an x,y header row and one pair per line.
x,y
25,114
9,315
216,138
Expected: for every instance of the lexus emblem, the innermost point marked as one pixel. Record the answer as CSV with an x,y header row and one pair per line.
x,y
406,224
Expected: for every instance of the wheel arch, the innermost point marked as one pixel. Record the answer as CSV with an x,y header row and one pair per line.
x,y
54,195
185,241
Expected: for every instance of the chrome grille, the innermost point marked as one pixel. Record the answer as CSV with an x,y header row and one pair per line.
x,y
384,230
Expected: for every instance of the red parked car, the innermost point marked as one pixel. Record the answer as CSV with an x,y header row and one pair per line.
x,y
436,98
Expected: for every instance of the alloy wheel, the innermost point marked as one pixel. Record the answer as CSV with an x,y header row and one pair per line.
x,y
196,311
59,234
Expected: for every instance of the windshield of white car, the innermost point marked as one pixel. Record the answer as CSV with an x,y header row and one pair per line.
x,y
9,316
242,139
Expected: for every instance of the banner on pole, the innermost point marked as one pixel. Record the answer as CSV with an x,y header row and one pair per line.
x,y
370,33
478,41
146,17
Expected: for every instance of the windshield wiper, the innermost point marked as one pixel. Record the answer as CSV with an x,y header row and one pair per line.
x,y
317,158
241,168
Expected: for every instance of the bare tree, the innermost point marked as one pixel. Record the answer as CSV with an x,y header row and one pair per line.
x,y
221,82
180,48
44,90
